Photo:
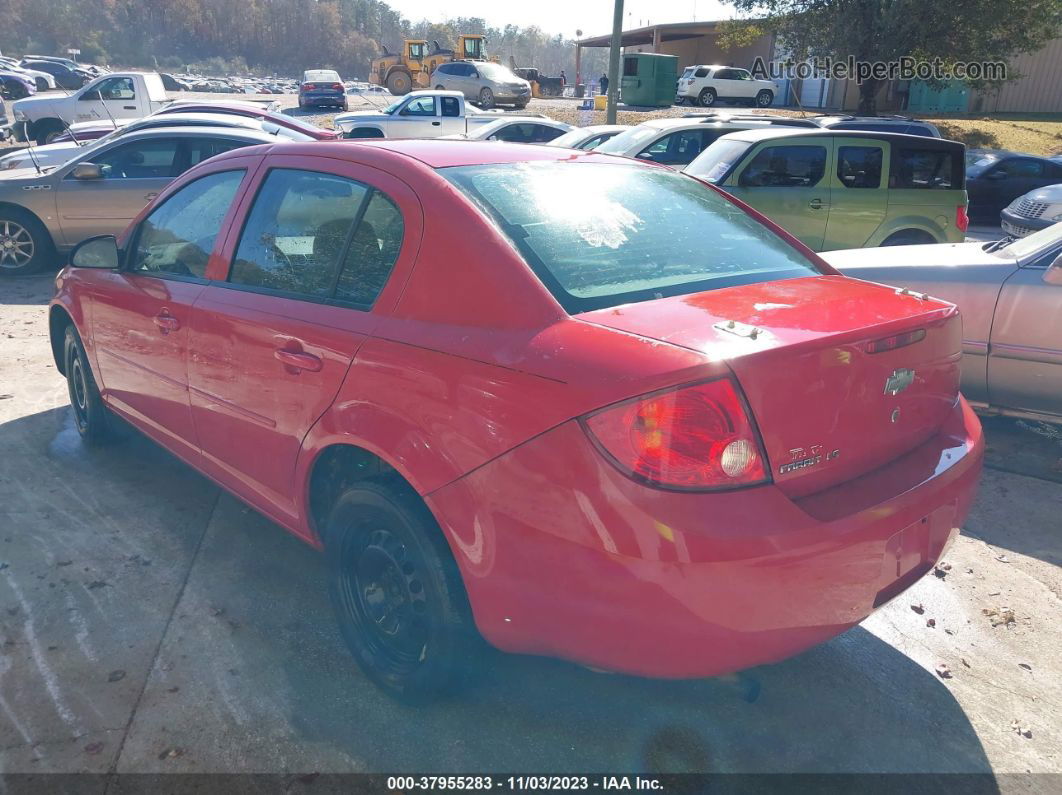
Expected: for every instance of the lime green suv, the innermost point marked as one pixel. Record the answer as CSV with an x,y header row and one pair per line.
x,y
835,189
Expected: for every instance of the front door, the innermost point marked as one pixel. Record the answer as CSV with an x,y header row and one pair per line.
x,y
859,199
112,98
789,183
420,119
272,340
141,315
1025,352
133,173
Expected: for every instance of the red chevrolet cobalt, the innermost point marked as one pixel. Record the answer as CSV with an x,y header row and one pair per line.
x,y
573,404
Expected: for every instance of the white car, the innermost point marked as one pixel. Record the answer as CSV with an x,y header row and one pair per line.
x,y
52,155
589,137
676,142
519,131
707,85
43,80
1036,210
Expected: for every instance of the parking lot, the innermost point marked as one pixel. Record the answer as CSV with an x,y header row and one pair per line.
x,y
150,623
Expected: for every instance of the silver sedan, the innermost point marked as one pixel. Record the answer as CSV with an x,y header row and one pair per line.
x,y
1010,295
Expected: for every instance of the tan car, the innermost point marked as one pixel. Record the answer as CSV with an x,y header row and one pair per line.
x,y
485,83
48,211
1010,296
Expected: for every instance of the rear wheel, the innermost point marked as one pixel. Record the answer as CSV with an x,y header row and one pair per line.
x,y
908,237
397,594
42,84
486,98
707,97
765,98
25,245
93,421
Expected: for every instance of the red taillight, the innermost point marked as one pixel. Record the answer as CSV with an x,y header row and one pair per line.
x,y
696,437
337,86
962,220
895,341
309,86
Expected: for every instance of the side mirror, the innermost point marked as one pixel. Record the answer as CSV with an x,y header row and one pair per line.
x,y
1053,274
96,252
87,171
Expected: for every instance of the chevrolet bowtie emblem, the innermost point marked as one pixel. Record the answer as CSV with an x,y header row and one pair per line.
x,y
898,381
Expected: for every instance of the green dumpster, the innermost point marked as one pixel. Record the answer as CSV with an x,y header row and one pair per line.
x,y
649,79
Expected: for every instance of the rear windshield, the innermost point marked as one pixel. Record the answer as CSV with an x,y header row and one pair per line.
x,y
604,234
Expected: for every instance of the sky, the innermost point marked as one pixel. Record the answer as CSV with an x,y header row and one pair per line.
x,y
593,17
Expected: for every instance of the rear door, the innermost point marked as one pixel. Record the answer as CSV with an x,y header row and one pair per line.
x,y
858,192
788,181
273,337
140,314
1025,352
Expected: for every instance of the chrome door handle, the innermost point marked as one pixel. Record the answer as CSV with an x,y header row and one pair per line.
x,y
436,123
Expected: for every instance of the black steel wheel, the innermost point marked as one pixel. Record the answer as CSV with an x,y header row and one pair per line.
x,y
397,593
91,417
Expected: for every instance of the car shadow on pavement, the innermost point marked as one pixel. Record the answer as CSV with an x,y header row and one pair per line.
x,y
26,290
232,657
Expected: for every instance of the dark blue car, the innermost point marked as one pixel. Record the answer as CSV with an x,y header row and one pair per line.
x,y
322,87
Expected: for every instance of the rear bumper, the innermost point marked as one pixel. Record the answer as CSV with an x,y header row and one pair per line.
x,y
564,556
334,98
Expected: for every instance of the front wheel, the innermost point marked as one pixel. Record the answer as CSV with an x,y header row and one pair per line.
x,y
908,237
440,88
398,83
397,593
707,97
91,417
42,84
765,98
486,98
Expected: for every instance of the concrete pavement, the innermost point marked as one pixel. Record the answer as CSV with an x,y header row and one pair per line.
x,y
150,623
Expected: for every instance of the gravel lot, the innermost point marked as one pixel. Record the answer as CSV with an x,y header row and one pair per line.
x,y
150,623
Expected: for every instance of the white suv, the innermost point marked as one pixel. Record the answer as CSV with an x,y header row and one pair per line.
x,y
706,85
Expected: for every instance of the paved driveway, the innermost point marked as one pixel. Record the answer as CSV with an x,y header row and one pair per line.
x,y
150,623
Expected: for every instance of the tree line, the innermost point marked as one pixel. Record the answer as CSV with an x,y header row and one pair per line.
x,y
262,36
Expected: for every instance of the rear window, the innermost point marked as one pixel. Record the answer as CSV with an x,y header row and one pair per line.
x,y
928,169
604,234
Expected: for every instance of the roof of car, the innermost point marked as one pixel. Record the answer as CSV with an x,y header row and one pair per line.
x,y
760,134
431,152
206,130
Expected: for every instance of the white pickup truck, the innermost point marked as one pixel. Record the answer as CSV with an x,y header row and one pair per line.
x,y
117,95
421,114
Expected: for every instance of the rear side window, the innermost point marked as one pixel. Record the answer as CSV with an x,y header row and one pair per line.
x,y
200,149
178,236
603,234
859,166
940,169
785,167
298,237
450,106
702,72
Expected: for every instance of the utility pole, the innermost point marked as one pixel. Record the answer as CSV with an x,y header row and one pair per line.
x,y
613,63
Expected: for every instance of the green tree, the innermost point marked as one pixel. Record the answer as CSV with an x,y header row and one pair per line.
x,y
887,30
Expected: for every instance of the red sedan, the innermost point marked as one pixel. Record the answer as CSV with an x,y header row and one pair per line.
x,y
91,131
573,404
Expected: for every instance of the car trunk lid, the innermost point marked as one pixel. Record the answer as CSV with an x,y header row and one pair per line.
x,y
841,376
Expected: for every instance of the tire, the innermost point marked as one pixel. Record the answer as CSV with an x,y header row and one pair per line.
x,y
46,130
91,418
486,98
365,132
16,90
908,237
440,88
764,98
42,84
399,83
521,105
25,245
397,594
707,97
